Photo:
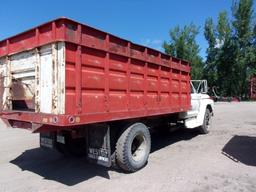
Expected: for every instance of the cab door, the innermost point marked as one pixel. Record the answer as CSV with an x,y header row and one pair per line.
x,y
195,102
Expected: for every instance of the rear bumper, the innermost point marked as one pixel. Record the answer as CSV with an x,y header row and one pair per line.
x,y
38,118
34,120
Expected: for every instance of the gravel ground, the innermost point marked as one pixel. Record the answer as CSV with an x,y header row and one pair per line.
x,y
223,160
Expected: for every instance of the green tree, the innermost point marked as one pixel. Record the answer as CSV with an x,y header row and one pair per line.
x,y
219,61
243,26
183,45
210,69
231,54
223,27
226,55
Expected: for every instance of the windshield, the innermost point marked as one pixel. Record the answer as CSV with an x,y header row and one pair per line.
x,y
199,86
192,88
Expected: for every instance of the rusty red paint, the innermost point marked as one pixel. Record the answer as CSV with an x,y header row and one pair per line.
x,y
107,77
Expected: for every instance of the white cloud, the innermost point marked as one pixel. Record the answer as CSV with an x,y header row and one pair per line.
x,y
153,43
156,41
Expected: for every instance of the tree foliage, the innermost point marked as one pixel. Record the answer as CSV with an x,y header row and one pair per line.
x,y
210,70
183,45
231,52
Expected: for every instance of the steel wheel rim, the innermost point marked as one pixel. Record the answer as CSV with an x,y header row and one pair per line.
x,y
208,120
138,147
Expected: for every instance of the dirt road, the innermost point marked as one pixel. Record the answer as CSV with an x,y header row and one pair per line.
x,y
183,161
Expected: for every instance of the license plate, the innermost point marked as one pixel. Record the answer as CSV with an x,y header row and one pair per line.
x,y
98,154
60,139
46,142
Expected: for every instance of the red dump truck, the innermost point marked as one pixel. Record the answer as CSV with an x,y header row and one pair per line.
x,y
88,92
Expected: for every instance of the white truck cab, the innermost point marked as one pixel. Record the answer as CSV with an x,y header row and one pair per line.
x,y
201,107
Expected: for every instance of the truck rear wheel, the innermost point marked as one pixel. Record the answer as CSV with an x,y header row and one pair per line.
x,y
133,147
204,129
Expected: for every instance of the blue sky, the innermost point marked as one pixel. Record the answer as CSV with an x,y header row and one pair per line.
x,y
145,22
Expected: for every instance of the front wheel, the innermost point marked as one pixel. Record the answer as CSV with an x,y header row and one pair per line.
x,y
133,147
204,129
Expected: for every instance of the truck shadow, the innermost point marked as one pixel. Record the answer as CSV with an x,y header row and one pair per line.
x,y
241,149
163,139
70,171
53,166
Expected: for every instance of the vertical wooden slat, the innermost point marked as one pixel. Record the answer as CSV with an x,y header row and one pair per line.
x,y
188,90
180,102
7,86
145,80
170,87
37,37
78,69
53,30
37,81
107,75
158,86
128,76
146,86
7,47
55,78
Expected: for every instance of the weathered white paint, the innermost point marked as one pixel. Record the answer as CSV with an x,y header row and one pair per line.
x,y
3,67
37,80
61,77
195,116
55,77
23,62
46,79
22,68
52,78
41,73
6,82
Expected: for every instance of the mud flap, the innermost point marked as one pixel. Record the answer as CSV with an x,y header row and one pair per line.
x,y
98,145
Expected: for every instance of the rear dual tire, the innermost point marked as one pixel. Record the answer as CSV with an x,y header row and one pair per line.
x,y
133,148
